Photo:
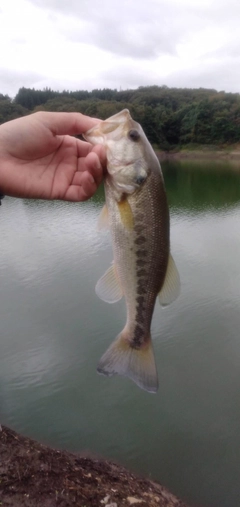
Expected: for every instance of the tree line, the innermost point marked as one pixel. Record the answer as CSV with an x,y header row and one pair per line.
x,y
171,117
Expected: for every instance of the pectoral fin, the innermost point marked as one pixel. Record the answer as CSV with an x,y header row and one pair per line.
x,y
171,287
126,214
103,220
108,288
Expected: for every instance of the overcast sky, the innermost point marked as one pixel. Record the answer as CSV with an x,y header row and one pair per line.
x,y
87,44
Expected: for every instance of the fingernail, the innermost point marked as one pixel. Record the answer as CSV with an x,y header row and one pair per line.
x,y
91,178
98,164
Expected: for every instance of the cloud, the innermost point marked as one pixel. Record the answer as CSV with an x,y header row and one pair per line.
x,y
10,80
222,74
146,31
86,44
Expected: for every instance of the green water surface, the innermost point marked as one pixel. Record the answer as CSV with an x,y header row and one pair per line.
x,y
53,330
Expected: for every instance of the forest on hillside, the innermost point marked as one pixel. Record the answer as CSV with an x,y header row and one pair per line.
x,y
171,117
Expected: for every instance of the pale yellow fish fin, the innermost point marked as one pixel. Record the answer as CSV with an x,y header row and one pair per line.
x,y
126,214
137,364
171,287
103,220
108,287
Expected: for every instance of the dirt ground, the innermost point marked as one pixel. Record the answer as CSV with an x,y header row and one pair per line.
x,y
34,475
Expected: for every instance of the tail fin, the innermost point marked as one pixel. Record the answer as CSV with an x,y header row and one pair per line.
x,y
137,364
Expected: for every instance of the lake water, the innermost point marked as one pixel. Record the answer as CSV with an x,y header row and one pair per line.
x,y
53,330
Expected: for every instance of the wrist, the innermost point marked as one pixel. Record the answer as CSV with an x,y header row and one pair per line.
x,y
1,197
4,164
1,165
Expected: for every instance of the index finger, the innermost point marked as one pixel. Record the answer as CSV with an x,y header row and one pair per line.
x,y
67,123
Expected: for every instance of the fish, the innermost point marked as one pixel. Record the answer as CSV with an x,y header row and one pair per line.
x,y
137,213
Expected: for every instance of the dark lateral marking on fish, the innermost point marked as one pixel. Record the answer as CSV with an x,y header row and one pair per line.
x,y
140,240
140,318
141,263
138,336
141,290
141,253
141,287
138,228
140,300
141,281
142,272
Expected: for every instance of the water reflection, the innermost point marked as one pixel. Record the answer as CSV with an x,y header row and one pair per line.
x,y
54,329
195,186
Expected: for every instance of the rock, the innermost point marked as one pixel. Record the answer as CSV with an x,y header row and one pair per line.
x,y
133,500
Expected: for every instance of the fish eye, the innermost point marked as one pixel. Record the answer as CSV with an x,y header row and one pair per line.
x,y
133,135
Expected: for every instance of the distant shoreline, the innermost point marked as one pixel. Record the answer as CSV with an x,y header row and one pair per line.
x,y
204,153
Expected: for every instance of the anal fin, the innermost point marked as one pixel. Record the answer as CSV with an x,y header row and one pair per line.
x,y
103,220
171,287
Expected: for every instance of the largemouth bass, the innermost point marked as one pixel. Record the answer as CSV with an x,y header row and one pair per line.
x,y
138,216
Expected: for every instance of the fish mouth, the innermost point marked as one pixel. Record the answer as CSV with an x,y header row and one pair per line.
x,y
96,135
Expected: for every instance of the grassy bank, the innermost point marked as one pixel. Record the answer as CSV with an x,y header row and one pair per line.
x,y
199,152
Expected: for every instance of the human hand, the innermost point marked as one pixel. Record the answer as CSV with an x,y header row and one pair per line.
x,y
40,159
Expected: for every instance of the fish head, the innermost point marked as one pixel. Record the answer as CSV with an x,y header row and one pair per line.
x,y
128,151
